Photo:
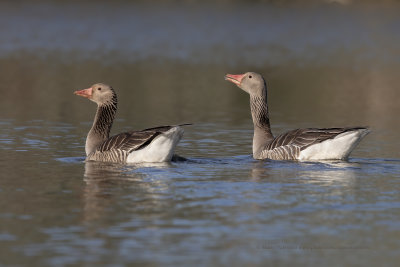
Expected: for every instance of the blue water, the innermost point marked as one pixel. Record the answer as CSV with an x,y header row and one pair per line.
x,y
59,210
327,65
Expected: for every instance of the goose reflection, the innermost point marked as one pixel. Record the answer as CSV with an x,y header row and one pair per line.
x,y
109,184
329,173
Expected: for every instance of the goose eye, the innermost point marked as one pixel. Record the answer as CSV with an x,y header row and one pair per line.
x,y
99,89
250,76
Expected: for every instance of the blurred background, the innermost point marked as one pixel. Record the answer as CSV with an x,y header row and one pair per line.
x,y
327,63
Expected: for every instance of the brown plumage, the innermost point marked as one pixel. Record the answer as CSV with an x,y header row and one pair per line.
x,y
289,145
299,144
149,145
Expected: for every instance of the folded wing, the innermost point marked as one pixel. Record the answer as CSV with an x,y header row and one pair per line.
x,y
289,145
117,147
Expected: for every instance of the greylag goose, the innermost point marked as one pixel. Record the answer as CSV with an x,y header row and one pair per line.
x,y
149,145
299,144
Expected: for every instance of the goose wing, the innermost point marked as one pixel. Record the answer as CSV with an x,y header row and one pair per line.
x,y
133,140
288,145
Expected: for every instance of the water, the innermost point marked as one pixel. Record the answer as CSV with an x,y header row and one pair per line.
x,y
220,207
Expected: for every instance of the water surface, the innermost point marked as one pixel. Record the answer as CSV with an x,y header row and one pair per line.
x,y
326,65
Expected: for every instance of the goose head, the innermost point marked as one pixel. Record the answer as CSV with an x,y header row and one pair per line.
x,y
250,82
100,93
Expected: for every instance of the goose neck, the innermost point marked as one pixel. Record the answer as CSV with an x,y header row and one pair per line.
x,y
101,127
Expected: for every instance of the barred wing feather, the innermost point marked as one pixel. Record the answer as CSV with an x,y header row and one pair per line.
x,y
288,145
133,140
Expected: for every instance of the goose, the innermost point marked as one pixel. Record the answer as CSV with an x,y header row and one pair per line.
x,y
150,145
300,144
